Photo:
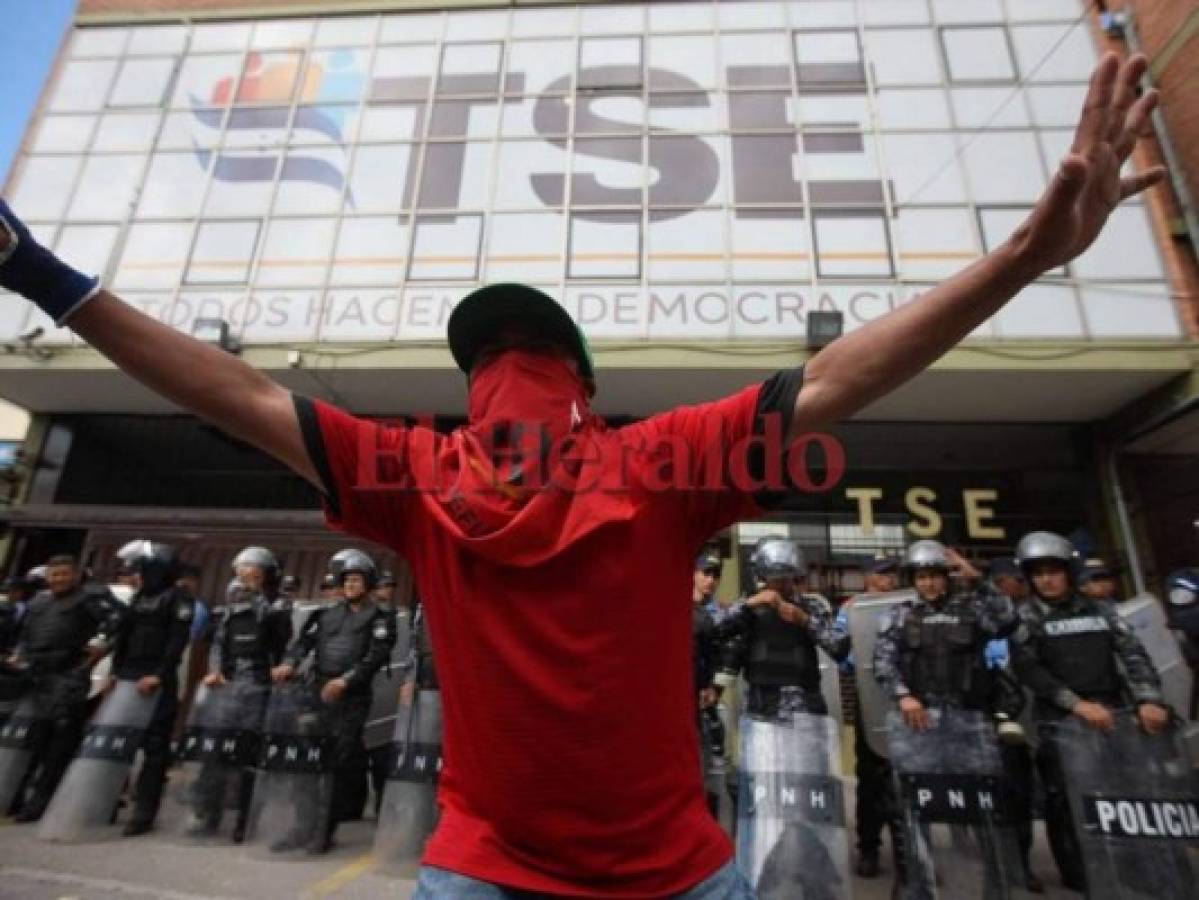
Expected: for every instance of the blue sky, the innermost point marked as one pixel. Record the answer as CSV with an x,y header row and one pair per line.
x,y
31,32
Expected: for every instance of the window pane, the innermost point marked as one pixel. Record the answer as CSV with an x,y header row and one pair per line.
x,y
331,124
143,82
311,181
220,36
978,54
199,130
1004,167
842,169
88,247
770,244
903,56
607,171
473,26
237,192
733,16
127,131
174,186
392,123
254,127
533,22
335,76
851,244
933,243
544,66
1038,45
610,62
269,78
446,247
456,175
345,31
680,17
923,168
687,170
605,245
360,315
988,107
692,57
154,255
903,109
223,252
1057,104
370,250
687,247
82,85
98,41
282,34
207,80
823,13
107,188
827,59
1130,310
404,29
1034,10
464,118
296,252
380,176
612,20
968,10
1124,249
155,40
1039,311
527,167
756,60
403,73
526,247
894,12
609,112
470,69
44,186
58,133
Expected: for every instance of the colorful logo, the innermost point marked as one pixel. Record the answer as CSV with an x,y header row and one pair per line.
x,y
326,89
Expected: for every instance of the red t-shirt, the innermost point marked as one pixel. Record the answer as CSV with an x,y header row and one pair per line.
x,y
571,760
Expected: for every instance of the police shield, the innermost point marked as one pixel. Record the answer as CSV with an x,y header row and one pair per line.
x,y
1134,803
294,786
714,738
18,735
219,749
791,837
409,810
954,838
85,803
385,689
865,615
1147,617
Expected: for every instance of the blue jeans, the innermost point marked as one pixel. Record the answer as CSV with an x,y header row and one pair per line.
x,y
438,884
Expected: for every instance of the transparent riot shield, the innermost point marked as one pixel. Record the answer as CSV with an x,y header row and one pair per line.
x,y
1134,803
866,614
791,836
85,803
218,753
956,840
715,759
18,736
1147,617
385,689
409,810
293,788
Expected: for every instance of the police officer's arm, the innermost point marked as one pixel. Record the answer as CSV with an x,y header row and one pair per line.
x,y
279,630
217,664
215,385
107,613
997,617
886,657
306,643
378,651
732,641
178,636
872,360
1140,675
824,631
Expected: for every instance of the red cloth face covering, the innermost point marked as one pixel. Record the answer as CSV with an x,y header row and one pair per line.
x,y
503,489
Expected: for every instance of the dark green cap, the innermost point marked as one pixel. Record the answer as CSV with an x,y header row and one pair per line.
x,y
482,313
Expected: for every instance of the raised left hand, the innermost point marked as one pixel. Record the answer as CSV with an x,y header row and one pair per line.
x,y
1088,185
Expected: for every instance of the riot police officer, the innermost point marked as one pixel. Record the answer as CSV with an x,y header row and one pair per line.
x,y
67,629
252,631
773,636
153,636
1079,658
930,651
350,639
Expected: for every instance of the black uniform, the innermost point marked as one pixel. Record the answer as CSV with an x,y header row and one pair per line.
x,y
250,639
352,644
1076,649
153,636
779,659
53,644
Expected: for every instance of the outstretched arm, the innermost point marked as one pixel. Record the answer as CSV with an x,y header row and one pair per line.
x,y
211,383
866,364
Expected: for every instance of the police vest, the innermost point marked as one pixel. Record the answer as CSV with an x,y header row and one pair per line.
x,y
57,630
244,649
941,655
343,637
1080,649
147,632
780,653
